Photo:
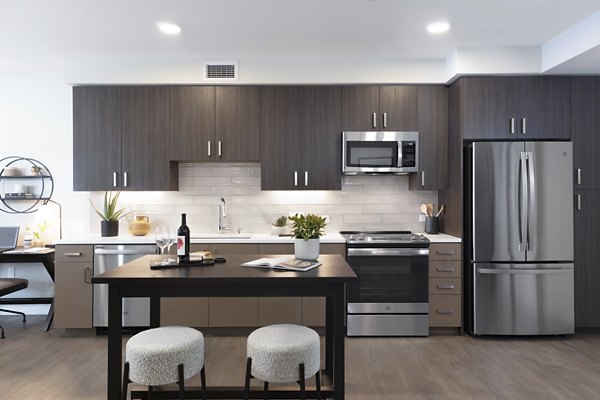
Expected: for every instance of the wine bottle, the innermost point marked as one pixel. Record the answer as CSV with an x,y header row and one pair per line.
x,y
183,240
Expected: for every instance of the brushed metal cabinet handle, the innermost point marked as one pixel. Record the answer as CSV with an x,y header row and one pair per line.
x,y
445,252
219,146
305,178
295,178
445,312
209,152
578,202
579,176
115,179
523,125
512,125
445,269
72,254
87,275
385,120
374,120
422,178
125,179
450,287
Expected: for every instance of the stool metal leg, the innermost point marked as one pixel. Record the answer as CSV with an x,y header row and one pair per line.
x,y
248,377
266,391
125,381
150,391
181,382
2,333
302,383
318,384
203,381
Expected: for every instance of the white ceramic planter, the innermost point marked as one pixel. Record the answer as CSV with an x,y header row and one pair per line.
x,y
278,230
306,249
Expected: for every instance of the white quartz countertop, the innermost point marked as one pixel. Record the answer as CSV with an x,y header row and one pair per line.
x,y
198,238
440,238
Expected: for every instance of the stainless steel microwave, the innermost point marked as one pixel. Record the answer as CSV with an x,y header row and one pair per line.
x,y
380,152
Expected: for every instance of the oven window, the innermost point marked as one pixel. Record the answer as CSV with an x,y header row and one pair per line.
x,y
372,154
383,279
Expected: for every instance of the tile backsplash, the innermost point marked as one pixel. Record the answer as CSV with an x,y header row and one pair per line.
x,y
365,202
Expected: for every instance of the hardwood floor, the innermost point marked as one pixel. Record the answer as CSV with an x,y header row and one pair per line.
x,y
57,365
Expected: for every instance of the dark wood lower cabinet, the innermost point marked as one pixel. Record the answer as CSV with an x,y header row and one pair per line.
x,y
587,258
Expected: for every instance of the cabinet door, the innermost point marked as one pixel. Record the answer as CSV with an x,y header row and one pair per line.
x,y
184,311
238,123
281,141
96,138
73,295
585,131
433,140
544,107
398,108
322,138
487,106
279,310
145,139
360,108
587,254
192,123
232,311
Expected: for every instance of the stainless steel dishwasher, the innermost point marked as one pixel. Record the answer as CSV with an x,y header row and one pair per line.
x,y
136,310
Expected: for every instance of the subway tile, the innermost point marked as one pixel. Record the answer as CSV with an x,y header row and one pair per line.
x,y
386,208
231,171
361,199
342,209
362,218
245,180
365,180
211,180
230,190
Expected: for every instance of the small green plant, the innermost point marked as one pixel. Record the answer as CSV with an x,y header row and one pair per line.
x,y
42,226
281,221
309,226
110,212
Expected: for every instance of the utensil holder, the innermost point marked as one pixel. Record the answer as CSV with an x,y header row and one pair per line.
x,y
432,224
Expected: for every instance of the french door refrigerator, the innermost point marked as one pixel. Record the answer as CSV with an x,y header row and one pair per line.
x,y
521,234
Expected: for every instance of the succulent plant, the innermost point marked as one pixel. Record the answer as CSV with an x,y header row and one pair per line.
x,y
110,212
280,222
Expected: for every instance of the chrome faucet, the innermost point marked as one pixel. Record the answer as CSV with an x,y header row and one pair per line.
x,y
223,220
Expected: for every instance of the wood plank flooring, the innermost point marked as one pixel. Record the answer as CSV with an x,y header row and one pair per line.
x,y
57,365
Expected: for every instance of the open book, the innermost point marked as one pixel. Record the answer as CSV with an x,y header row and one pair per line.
x,y
285,263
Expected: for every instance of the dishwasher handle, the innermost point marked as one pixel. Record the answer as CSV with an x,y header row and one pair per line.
x,y
489,271
122,252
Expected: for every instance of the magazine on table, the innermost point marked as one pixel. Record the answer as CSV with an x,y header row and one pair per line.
x,y
283,263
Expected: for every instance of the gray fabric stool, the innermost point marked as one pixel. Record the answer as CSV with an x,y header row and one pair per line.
x,y
164,355
283,353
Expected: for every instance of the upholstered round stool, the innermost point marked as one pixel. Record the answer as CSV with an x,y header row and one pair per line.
x,y
164,355
283,353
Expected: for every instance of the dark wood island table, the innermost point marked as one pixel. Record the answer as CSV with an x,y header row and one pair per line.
x,y
230,279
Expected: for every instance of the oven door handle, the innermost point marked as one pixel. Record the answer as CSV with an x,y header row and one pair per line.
x,y
372,252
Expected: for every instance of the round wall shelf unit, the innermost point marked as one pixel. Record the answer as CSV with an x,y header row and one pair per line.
x,y
25,184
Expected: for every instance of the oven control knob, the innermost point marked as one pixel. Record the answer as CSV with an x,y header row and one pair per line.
x,y
351,237
387,308
361,238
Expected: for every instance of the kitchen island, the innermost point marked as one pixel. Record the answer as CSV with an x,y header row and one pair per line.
x,y
136,279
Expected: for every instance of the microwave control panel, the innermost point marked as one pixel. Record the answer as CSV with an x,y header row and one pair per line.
x,y
409,154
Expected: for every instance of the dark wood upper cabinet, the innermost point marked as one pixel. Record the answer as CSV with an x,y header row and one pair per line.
x,y
145,139
585,131
433,139
360,108
96,138
587,253
301,138
238,123
192,123
516,108
398,108
379,108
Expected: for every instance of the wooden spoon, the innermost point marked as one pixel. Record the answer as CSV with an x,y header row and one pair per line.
x,y
424,209
430,209
440,211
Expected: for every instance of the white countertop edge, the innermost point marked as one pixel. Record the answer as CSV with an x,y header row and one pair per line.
x,y
440,237
149,239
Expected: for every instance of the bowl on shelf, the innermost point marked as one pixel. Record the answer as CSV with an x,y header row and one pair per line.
x,y
11,171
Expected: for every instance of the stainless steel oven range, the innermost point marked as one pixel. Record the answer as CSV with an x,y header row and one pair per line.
x,y
391,297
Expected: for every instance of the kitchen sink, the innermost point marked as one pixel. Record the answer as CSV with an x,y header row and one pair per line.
x,y
221,237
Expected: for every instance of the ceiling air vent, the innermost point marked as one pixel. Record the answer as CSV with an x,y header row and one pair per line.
x,y
221,71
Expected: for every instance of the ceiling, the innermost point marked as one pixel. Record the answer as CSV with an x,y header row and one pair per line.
x,y
41,34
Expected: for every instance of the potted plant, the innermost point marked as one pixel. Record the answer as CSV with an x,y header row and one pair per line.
x,y
307,229
279,226
39,233
109,225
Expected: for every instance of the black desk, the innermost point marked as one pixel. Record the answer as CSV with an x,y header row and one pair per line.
x,y
136,279
48,260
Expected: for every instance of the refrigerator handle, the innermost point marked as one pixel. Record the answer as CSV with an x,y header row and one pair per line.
x,y
531,211
522,201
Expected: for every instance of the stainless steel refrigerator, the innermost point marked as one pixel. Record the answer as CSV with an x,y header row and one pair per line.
x,y
521,235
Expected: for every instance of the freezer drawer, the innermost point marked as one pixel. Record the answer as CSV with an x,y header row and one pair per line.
x,y
388,325
523,299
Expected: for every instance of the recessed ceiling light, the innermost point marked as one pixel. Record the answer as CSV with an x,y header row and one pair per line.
x,y
169,28
438,27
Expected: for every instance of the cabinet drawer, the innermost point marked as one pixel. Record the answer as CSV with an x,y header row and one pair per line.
x,y
445,286
445,310
443,269
74,253
184,311
444,251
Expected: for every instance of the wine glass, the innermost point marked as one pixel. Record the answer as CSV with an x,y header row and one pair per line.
x,y
171,239
161,237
